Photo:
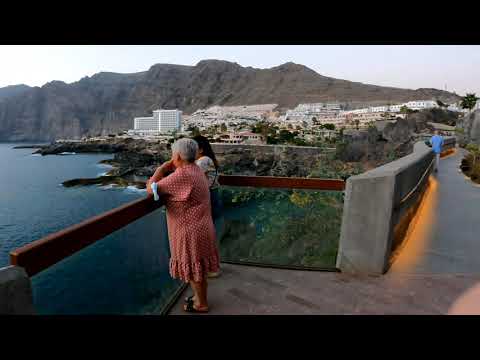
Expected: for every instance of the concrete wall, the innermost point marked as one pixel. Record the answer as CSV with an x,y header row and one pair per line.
x,y
450,142
377,211
15,292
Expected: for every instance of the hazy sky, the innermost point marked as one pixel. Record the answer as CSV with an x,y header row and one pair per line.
x,y
401,66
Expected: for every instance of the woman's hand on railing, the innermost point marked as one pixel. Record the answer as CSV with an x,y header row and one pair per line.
x,y
149,188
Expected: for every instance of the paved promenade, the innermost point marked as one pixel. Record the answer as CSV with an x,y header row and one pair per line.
x,y
446,235
438,262
246,290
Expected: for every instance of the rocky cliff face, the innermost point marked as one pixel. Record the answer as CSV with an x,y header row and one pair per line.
x,y
470,125
108,102
380,145
12,90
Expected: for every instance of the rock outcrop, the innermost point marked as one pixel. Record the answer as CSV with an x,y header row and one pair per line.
x,y
140,159
470,128
107,102
285,161
392,140
68,148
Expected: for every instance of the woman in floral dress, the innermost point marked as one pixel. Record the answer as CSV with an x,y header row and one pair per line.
x,y
191,231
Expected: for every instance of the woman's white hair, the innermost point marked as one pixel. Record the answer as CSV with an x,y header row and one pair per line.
x,y
186,148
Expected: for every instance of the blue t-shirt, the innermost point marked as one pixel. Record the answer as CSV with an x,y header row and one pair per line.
x,y
437,143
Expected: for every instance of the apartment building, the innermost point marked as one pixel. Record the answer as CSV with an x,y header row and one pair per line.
x,y
319,107
413,105
335,120
244,137
306,112
162,122
421,104
395,108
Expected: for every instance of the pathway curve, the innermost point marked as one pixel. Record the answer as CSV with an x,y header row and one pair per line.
x,y
446,236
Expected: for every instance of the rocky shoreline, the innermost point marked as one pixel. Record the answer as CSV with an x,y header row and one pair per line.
x,y
133,159
103,181
81,147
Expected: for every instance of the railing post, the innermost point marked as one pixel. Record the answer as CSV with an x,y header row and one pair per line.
x,y
15,292
366,231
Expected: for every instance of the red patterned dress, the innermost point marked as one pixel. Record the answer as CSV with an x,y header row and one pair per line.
x,y
191,231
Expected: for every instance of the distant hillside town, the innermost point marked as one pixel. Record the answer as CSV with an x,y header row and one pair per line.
x,y
240,124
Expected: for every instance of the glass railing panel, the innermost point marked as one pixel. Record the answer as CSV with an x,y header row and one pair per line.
x,y
124,273
280,227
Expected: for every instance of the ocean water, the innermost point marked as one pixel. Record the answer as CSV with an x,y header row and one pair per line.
x,y
125,273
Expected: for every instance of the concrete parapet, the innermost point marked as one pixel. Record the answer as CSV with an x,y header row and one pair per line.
x,y
378,207
449,142
15,292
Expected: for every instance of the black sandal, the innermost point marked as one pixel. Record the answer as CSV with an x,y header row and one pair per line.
x,y
191,309
189,299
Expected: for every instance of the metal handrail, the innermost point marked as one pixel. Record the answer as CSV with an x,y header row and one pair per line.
x,y
282,182
49,250
411,192
43,253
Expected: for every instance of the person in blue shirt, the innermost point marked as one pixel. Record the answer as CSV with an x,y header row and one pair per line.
x,y
437,142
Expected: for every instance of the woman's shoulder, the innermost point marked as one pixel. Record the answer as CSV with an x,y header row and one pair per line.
x,y
204,161
205,158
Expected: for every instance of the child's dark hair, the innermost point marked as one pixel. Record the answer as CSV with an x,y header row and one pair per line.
x,y
204,145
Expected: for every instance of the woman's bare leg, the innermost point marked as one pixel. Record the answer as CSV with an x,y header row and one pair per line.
x,y
205,289
196,288
199,294
202,294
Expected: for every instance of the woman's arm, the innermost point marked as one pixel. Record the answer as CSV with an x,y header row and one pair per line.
x,y
202,163
160,174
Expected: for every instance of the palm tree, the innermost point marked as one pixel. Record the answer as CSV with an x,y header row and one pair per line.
x,y
404,109
469,101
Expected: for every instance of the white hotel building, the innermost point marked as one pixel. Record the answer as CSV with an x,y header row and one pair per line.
x,y
305,112
162,122
413,105
421,104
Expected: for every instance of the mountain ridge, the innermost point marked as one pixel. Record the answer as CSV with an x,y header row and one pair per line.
x,y
12,90
107,102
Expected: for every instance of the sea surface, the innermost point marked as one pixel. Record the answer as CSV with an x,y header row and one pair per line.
x,y
127,272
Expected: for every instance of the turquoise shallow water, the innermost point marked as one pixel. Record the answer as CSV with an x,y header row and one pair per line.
x,y
127,272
